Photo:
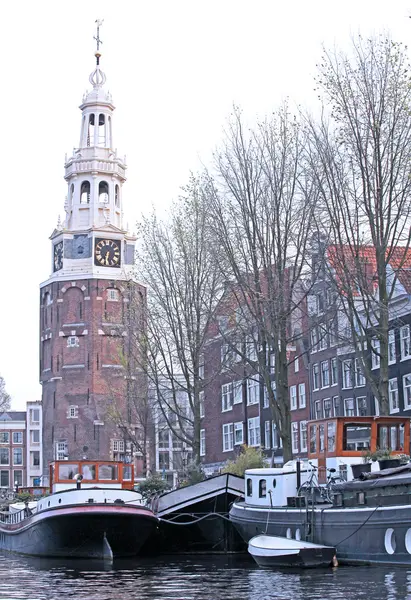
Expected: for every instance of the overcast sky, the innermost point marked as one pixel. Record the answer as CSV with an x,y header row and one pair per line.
x,y
175,69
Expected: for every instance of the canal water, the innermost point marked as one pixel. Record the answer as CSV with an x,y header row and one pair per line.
x,y
191,578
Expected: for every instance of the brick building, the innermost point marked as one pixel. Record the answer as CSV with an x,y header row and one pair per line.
x,y
85,304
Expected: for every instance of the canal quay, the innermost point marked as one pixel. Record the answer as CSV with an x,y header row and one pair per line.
x,y
218,577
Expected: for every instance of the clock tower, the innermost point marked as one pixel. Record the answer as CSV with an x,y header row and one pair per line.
x,y
85,304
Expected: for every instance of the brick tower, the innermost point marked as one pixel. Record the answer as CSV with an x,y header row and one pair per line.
x,y
85,303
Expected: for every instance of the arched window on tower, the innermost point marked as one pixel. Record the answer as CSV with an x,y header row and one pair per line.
x,y
109,134
90,132
85,193
101,130
117,195
71,193
103,192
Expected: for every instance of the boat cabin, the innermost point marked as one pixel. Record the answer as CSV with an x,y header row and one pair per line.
x,y
339,442
66,474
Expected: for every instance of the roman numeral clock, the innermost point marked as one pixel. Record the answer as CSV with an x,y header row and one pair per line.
x,y
107,253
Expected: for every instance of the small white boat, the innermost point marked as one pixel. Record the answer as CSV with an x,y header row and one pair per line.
x,y
276,551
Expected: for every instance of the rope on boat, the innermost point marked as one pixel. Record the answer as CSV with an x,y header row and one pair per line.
x,y
192,522
358,528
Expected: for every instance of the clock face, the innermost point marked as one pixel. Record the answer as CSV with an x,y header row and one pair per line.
x,y
107,253
58,256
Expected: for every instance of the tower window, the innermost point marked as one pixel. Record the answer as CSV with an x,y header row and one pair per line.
x,y
103,192
117,196
72,342
112,295
71,193
90,132
85,193
101,130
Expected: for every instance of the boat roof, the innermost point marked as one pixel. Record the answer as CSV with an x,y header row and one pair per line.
x,y
401,477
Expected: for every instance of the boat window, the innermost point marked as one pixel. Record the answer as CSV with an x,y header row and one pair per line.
x,y
107,472
331,427
274,483
313,439
88,472
382,436
356,436
361,497
321,430
68,470
393,438
127,473
249,487
262,491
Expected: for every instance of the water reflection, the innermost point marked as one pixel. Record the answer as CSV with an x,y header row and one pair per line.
x,y
193,578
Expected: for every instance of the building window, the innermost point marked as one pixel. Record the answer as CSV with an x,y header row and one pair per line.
x,y
327,408
332,332
375,354
113,295
407,390
296,365
4,437
318,410
267,434
336,406
17,437
237,392
334,371
362,406
4,456
294,437
254,431
201,403
314,340
72,341
405,342
103,192
313,439
18,478
275,438
17,456
392,355
253,391
85,193
228,437
301,395
293,397
359,375
4,479
61,451
118,445
349,407
316,378
238,433
303,436
227,396
202,442
325,374
266,399
393,395
250,348
323,338
347,374
164,461
72,412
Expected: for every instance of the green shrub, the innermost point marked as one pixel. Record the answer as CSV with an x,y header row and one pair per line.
x,y
152,486
249,458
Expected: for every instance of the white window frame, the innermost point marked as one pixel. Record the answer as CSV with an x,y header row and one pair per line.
x,y
392,352
275,437
294,437
226,397
113,295
334,371
293,397
267,435
250,348
266,400
322,338
296,364
201,403
303,436
239,426
237,392
314,340
316,375
375,358
405,342
357,400
358,374
118,445
346,409
302,398
61,450
72,412
73,341
318,409
334,406
228,437
253,391
406,385
393,396
202,442
253,427
347,371
6,464
20,433
332,333
325,374
330,408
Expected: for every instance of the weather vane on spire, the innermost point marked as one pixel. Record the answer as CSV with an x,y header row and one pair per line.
x,y
99,23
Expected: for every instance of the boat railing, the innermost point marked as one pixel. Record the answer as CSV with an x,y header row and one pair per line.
x,y
9,518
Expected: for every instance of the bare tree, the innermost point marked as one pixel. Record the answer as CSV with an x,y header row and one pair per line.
x,y
261,218
361,155
5,398
176,262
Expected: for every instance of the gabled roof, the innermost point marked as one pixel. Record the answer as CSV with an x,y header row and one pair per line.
x,y
13,416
